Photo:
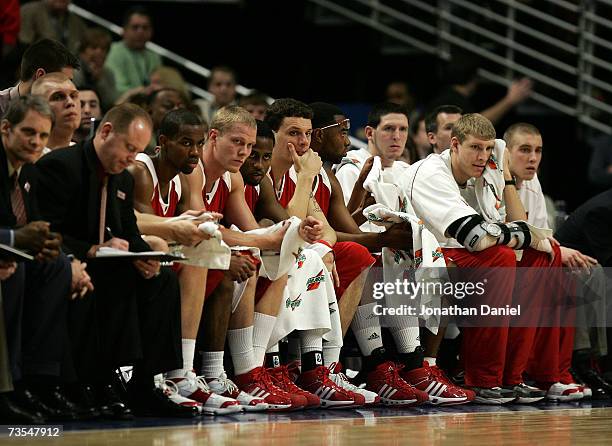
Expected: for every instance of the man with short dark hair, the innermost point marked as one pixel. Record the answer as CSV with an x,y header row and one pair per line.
x,y
129,60
438,125
42,57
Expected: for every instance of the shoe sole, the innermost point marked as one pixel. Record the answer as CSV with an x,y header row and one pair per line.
x,y
338,404
282,407
493,401
527,400
256,408
437,401
221,410
398,403
565,398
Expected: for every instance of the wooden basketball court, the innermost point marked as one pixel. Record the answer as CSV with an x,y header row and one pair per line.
x,y
544,424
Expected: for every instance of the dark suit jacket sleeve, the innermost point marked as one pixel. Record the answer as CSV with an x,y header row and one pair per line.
x,y
597,228
5,236
54,191
128,218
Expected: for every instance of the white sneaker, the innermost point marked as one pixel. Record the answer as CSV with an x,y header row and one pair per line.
x,y
564,392
195,387
171,391
342,381
225,387
586,390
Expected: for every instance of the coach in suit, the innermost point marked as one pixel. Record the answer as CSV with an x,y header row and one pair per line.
x,y
35,297
86,194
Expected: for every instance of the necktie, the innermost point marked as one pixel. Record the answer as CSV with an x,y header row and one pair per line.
x,y
17,202
103,197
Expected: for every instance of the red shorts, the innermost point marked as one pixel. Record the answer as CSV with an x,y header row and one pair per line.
x,y
213,279
351,259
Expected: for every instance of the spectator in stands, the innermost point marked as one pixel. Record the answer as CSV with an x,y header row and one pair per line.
x,y
256,104
91,112
417,145
169,77
92,53
398,92
439,123
600,166
159,103
42,57
129,60
63,97
9,26
222,85
462,78
51,19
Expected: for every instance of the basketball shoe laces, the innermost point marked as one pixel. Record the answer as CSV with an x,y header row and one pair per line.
x,y
392,375
230,387
261,375
281,373
342,380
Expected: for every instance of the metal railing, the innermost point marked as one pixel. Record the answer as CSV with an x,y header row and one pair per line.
x,y
563,46
179,60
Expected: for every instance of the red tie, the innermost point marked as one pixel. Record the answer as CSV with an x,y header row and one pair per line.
x,y
103,209
17,202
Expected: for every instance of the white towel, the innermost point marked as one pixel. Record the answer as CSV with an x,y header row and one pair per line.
x,y
212,253
489,187
309,302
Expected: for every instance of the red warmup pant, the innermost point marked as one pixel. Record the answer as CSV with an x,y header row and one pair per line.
x,y
495,356
544,366
351,260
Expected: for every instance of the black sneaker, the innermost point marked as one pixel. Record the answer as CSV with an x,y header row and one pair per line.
x,y
526,394
493,395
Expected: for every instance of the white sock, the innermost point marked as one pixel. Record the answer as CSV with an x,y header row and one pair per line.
x,y
331,354
188,348
240,343
263,325
431,361
406,339
366,327
310,342
212,364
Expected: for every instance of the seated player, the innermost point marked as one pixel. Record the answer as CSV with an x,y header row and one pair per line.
x,y
466,197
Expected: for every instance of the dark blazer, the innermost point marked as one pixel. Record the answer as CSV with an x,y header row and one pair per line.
x,y
68,193
27,182
589,229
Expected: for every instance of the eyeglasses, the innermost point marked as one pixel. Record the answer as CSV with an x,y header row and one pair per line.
x,y
345,124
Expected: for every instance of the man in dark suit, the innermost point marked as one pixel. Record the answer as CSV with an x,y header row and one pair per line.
x,y
36,296
133,315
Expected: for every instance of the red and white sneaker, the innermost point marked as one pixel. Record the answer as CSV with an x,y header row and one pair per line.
x,y
564,392
332,396
386,381
432,381
171,391
258,383
341,380
281,379
225,387
195,388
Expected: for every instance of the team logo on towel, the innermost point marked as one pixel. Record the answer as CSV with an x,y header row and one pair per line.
x,y
293,303
418,257
403,204
314,282
492,163
437,254
399,256
299,258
